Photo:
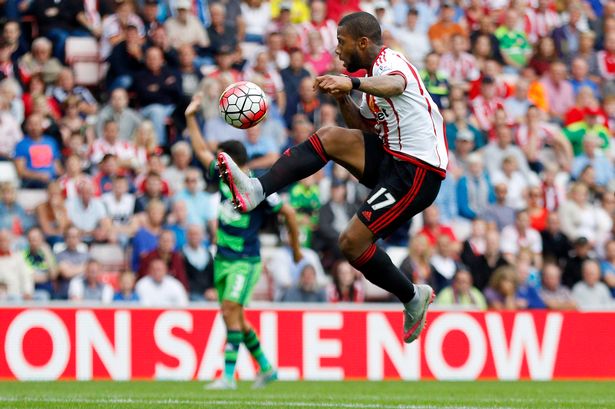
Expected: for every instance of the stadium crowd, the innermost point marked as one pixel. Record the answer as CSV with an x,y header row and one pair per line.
x,y
102,200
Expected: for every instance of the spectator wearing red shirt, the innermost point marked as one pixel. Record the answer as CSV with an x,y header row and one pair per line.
x,y
321,23
606,58
486,104
432,228
336,9
166,252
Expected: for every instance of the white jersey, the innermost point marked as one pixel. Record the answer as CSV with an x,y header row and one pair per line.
x,y
410,125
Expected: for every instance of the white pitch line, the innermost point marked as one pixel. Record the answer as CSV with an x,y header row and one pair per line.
x,y
220,402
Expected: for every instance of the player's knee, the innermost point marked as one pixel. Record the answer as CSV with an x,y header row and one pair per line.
x,y
326,136
350,245
231,312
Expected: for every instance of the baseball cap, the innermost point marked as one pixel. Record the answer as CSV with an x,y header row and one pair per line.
x,y
183,4
380,4
286,5
465,135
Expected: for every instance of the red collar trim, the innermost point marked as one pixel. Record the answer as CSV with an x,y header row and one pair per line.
x,y
371,67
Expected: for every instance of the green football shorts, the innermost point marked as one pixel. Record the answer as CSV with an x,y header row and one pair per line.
x,y
235,279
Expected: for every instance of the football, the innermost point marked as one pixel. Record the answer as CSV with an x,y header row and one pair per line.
x,y
243,105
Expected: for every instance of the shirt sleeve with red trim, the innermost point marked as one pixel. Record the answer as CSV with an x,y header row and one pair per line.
x,y
392,64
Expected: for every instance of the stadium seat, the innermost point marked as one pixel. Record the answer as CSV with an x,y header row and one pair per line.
x,y
30,198
83,56
110,256
8,173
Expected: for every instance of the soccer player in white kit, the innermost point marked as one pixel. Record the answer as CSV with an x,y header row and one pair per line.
x,y
396,147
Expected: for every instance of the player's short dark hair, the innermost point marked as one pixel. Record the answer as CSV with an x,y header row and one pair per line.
x,y
362,24
236,151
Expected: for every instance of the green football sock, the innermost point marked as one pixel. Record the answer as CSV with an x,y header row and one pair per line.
x,y
233,341
254,346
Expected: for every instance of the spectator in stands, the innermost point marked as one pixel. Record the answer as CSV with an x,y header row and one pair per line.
x,y
14,271
51,215
40,62
519,236
41,260
107,170
118,111
11,91
292,77
185,28
544,55
307,289
199,266
37,157
462,124
433,229
191,76
221,33
536,209
556,245
441,32
501,294
517,105
10,70
413,39
459,66
578,216
305,199
417,265
318,59
181,156
65,87
499,212
73,173
553,293
262,150
474,189
485,105
125,60
153,187
516,182
159,289
444,259
10,130
108,143
346,285
126,292
559,91
88,287
13,216
582,251
177,221
608,265
256,16
158,90
149,228
435,80
495,152
119,205
566,36
201,205
483,265
589,126
461,293
592,156
115,26
579,73
71,261
12,36
88,214
591,292
528,280
166,251
332,218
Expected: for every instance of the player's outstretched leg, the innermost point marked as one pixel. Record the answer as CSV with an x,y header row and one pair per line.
x,y
357,244
231,313
296,163
267,373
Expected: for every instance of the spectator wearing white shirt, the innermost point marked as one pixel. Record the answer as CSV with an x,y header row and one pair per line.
x,y
15,273
578,216
159,289
181,155
413,40
591,292
88,213
521,236
185,28
88,287
516,183
109,144
119,205
9,129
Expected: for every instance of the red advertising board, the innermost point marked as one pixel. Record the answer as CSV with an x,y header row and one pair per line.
x,y
329,344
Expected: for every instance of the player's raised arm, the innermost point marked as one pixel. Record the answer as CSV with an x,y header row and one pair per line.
x,y
384,86
199,145
290,218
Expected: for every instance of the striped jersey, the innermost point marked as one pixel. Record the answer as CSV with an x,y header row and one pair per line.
x,y
410,125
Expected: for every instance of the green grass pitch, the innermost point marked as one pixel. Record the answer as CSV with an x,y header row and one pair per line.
x,y
297,395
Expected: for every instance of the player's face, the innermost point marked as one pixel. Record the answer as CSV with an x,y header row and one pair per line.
x,y
348,50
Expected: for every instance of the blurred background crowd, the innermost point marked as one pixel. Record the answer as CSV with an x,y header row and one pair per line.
x,y
102,200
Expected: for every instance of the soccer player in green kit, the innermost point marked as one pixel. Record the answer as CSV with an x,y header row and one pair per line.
x,y
237,265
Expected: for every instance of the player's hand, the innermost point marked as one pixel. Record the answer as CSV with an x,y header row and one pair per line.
x,y
195,104
336,85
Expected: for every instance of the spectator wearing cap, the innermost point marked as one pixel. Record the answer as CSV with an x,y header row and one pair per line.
x,y
158,90
199,266
125,60
88,214
514,45
412,38
435,80
591,292
552,292
589,126
117,110
40,61
15,273
185,28
37,157
115,25
167,252
461,293
88,287
594,157
474,189
560,93
441,32
459,66
159,289
499,213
